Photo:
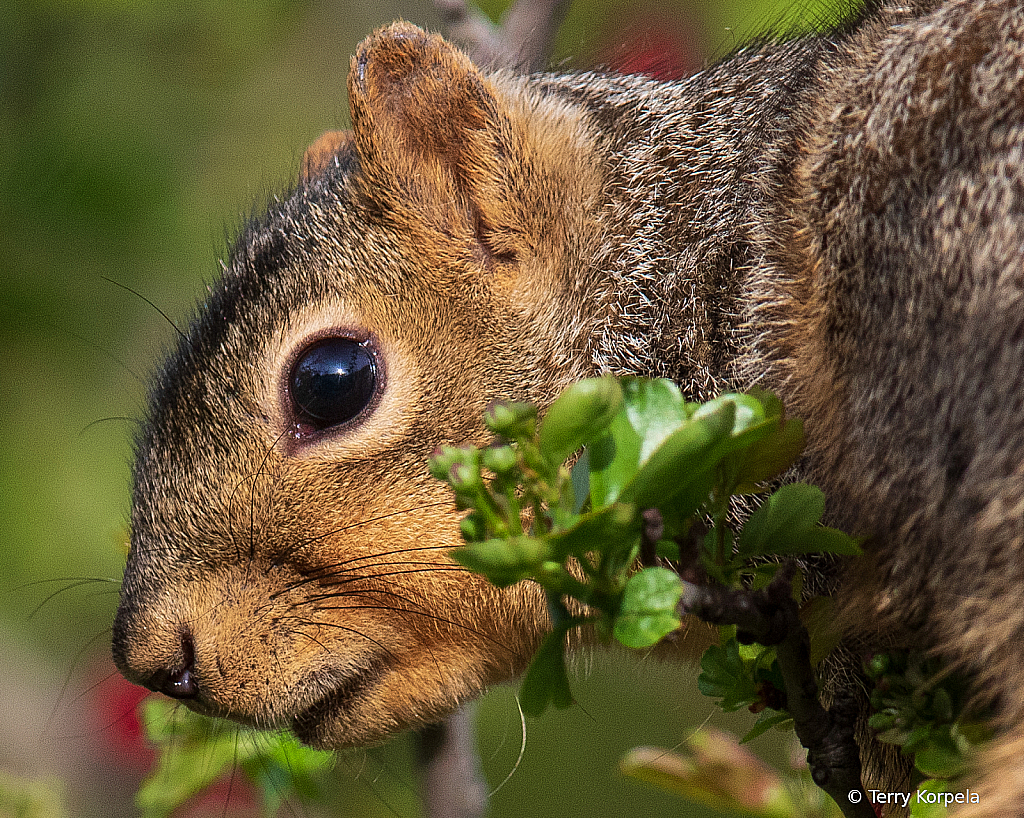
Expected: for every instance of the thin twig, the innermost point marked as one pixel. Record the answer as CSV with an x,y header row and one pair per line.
x,y
651,532
524,40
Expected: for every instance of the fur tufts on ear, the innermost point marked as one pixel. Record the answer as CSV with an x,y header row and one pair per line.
x,y
429,129
319,155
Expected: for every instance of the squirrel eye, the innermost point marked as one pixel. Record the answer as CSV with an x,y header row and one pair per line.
x,y
332,382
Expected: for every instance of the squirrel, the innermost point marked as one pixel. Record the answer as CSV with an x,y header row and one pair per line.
x,y
837,217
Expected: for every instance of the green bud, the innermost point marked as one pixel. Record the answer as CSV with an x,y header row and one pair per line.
x,y
877,665
442,460
881,722
464,472
579,415
504,561
499,459
511,420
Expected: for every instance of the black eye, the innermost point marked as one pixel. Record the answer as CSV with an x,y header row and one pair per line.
x,y
331,383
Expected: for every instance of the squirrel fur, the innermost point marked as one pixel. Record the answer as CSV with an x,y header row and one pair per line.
x,y
838,218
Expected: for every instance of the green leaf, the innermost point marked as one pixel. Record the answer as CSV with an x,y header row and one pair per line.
x,y
820,539
779,444
787,523
581,482
578,415
613,529
648,609
191,757
652,410
766,720
546,682
770,456
930,806
724,676
655,409
682,458
792,508
194,752
939,756
614,459
715,772
279,765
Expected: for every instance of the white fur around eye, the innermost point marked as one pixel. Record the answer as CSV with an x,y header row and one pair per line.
x,y
398,385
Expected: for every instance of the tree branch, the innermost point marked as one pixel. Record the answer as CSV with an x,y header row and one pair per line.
x,y
523,41
451,783
771,617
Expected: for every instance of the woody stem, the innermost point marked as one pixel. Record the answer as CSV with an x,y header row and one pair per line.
x,y
770,617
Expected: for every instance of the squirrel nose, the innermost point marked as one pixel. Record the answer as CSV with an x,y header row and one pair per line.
x,y
178,682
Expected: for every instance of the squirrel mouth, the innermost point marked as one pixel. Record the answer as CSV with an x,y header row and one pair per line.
x,y
310,725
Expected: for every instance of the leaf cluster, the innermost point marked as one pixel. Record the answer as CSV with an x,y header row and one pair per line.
x,y
638,445
745,676
925,709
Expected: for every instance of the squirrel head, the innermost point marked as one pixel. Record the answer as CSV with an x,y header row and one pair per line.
x,y
289,559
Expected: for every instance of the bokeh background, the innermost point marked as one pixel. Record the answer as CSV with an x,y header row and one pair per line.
x,y
135,136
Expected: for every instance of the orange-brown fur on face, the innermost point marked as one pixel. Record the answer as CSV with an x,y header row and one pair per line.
x,y
304,578
838,218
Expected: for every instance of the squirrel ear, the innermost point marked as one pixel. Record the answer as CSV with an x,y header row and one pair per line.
x,y
319,155
427,126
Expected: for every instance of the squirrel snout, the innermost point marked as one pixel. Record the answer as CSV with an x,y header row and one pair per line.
x,y
168,668
179,681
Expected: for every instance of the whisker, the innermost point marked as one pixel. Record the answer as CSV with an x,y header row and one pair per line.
x,y
231,517
231,778
522,752
64,579
318,624
252,496
331,579
379,554
52,719
453,568
254,476
67,679
417,612
311,638
358,776
127,714
328,571
97,422
137,294
105,351
72,583
279,787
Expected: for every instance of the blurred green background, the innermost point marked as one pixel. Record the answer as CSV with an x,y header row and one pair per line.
x,y
135,137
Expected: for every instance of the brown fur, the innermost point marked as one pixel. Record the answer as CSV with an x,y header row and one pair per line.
x,y
837,218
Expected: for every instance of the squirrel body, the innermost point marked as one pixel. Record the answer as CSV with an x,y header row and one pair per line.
x,y
837,218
